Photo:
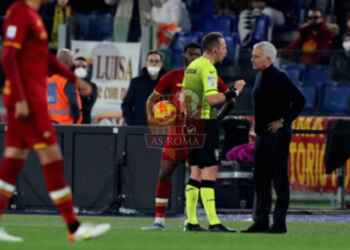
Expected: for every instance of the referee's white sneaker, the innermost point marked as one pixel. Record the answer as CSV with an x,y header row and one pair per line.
x,y
87,231
5,236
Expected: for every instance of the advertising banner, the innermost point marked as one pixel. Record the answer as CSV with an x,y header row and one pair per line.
x,y
307,171
113,66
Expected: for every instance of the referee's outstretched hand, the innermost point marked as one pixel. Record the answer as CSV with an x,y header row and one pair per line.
x,y
239,85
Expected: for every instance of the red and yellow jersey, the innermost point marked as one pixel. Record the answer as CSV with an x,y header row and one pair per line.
x,y
25,31
170,84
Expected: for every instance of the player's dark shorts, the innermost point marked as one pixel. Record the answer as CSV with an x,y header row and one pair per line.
x,y
208,132
35,132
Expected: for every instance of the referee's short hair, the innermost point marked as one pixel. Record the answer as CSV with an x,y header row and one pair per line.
x,y
211,40
268,49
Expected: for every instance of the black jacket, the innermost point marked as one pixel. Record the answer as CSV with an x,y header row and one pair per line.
x,y
340,67
88,102
134,103
70,91
275,97
338,146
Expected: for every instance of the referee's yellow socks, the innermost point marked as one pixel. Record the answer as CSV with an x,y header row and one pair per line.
x,y
208,199
192,195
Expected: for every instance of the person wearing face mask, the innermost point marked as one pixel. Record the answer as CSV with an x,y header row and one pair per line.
x,y
87,102
134,103
315,39
340,62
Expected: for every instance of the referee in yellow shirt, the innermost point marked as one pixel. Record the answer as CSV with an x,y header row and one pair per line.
x,y
200,89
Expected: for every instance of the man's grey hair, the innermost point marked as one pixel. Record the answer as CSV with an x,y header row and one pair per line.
x,y
65,56
64,52
268,49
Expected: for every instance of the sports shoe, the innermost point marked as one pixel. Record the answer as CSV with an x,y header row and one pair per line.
x,y
193,228
278,229
257,228
87,231
5,236
219,228
154,227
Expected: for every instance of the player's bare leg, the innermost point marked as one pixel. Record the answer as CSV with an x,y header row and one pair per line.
x,y
10,168
163,192
53,168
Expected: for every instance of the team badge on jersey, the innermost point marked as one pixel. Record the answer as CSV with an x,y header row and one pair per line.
x,y
212,81
11,31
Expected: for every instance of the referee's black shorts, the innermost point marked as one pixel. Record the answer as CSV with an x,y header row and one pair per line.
x,y
208,133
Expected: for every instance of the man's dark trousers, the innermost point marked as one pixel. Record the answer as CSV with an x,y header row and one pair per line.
x,y
271,168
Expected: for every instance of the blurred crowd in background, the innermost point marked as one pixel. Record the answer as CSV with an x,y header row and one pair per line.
x,y
313,37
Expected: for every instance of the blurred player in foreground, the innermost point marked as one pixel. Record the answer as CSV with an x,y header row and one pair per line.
x,y
27,61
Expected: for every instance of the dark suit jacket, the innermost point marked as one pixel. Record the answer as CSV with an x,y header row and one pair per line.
x,y
134,103
275,97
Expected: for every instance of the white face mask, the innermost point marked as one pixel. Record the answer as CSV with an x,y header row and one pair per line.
x,y
346,45
80,72
153,71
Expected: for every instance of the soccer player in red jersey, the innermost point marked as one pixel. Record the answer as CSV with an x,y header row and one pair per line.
x,y
170,86
26,61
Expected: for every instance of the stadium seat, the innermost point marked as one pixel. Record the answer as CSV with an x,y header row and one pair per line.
x,y
93,27
224,24
177,60
199,10
178,44
102,27
181,39
336,98
294,71
81,26
299,84
232,42
311,94
300,10
316,75
262,29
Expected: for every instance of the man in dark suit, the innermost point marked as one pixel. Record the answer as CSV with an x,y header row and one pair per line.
x,y
277,102
140,88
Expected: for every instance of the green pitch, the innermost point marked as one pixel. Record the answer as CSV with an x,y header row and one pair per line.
x,y
48,233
